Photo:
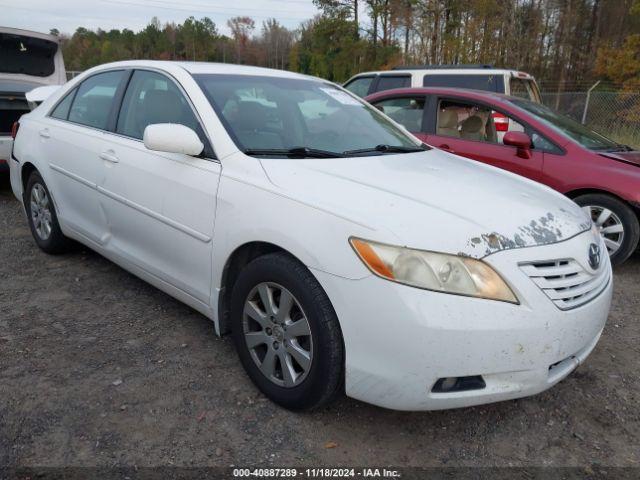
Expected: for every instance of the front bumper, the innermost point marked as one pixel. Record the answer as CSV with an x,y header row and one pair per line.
x,y
400,340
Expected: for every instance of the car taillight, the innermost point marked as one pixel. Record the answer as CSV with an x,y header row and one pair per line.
x,y
14,129
500,121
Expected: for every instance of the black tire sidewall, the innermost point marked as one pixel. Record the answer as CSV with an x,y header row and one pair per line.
x,y
56,242
627,217
326,374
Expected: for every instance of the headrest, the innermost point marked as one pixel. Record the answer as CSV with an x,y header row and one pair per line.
x,y
251,116
162,106
473,124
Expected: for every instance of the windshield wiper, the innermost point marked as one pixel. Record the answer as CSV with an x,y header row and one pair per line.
x,y
620,147
302,152
382,148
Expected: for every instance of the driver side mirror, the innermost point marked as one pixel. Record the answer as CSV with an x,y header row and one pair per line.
x,y
521,141
172,138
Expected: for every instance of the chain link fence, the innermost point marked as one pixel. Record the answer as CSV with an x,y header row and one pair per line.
x,y
614,114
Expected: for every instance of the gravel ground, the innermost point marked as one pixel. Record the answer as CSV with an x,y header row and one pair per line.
x,y
99,368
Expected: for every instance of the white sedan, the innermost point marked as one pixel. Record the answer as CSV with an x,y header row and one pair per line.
x,y
341,253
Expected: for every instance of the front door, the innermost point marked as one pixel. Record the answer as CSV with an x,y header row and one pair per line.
x,y
160,206
468,129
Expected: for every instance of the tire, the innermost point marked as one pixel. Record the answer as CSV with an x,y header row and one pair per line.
x,y
280,275
622,214
50,240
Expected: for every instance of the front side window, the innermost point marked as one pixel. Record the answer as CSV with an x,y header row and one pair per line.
x,y
92,104
153,98
360,86
406,111
470,121
275,113
389,82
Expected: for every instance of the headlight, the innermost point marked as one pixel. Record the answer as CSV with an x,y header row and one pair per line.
x,y
440,272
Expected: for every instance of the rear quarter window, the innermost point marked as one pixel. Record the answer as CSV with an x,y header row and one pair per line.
x,y
488,83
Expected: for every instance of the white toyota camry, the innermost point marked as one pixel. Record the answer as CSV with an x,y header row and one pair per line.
x,y
341,253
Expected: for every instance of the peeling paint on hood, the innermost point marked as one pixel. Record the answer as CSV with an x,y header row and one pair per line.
x,y
545,230
432,200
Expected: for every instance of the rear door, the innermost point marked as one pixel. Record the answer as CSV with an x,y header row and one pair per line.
x,y
160,206
73,139
467,128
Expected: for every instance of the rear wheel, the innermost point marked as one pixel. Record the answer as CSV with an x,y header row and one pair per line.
x,y
616,222
41,214
287,333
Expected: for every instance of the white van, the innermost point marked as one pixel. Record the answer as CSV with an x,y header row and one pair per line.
x,y
476,77
27,60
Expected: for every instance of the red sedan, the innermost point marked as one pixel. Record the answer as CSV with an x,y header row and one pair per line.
x,y
534,141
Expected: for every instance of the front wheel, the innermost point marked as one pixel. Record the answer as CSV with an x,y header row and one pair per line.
x,y
616,222
286,333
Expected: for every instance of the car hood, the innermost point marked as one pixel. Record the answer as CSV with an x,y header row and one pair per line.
x,y
432,200
627,157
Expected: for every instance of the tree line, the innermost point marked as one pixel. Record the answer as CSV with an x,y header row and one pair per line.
x,y
566,44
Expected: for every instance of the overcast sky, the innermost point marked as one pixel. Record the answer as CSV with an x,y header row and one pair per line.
x,y
67,15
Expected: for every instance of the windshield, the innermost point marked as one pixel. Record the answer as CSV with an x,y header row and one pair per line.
x,y
568,127
277,114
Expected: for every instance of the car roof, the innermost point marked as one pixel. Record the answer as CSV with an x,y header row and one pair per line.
x,y
448,71
208,68
464,92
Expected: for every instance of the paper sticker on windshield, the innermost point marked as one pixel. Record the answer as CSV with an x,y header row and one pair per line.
x,y
341,97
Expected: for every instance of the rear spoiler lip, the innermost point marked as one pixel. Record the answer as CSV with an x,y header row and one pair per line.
x,y
40,94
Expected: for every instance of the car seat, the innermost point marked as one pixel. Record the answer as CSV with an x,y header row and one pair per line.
x,y
448,123
472,128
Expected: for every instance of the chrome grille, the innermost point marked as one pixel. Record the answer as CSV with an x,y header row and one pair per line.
x,y
566,282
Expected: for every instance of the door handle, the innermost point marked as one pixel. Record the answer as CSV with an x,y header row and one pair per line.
x,y
446,148
44,133
109,156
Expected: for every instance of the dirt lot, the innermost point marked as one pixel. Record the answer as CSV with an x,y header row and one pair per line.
x,y
98,368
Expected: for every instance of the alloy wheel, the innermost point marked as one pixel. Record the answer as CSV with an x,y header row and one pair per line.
x,y
277,334
608,224
40,211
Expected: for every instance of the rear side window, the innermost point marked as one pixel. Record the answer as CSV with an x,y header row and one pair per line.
x,y
360,86
62,110
389,82
94,100
406,111
488,83
153,98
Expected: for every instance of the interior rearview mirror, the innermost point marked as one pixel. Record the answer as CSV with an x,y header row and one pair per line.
x,y
521,141
172,138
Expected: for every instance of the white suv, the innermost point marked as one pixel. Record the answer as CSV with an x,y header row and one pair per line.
x,y
476,77
342,253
